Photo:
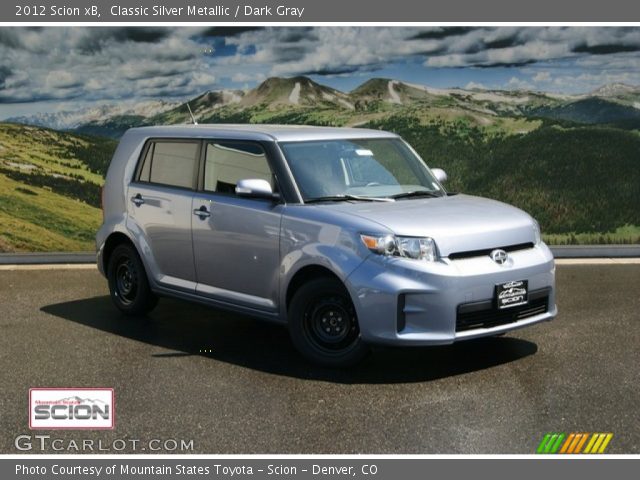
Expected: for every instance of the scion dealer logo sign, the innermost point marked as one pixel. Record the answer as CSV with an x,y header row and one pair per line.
x,y
71,409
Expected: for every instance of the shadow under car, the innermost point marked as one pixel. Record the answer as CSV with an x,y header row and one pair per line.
x,y
186,329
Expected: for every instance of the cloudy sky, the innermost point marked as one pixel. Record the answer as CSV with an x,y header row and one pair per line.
x,y
51,69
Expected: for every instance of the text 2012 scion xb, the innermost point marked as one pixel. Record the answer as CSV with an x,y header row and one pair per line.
x,y
344,235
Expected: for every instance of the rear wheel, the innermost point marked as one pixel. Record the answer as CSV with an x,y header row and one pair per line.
x,y
128,283
324,326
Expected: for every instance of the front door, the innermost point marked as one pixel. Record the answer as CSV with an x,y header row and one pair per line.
x,y
236,240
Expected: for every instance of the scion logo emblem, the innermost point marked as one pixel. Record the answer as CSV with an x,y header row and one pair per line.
x,y
499,256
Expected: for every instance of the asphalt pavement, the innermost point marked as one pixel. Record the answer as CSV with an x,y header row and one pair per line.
x,y
229,384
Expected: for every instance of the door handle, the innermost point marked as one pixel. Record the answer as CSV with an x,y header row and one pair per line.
x,y
138,200
202,212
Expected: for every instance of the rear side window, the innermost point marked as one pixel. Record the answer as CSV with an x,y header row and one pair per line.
x,y
170,163
228,162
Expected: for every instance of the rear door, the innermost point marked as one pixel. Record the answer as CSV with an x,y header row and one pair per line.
x,y
159,207
236,239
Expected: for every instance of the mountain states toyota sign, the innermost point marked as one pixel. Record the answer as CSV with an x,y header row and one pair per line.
x,y
71,409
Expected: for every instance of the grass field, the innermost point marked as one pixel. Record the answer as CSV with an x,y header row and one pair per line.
x,y
628,234
39,220
49,189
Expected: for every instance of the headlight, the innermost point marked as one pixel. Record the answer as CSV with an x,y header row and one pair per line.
x,y
417,248
537,238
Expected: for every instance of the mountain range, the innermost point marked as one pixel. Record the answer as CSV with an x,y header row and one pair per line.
x,y
616,103
72,119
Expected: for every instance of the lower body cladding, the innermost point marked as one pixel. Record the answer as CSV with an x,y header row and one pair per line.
x,y
408,302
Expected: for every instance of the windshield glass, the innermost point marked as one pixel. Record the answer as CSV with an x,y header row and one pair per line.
x,y
381,167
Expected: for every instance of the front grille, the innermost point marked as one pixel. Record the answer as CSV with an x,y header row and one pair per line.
x,y
487,251
486,315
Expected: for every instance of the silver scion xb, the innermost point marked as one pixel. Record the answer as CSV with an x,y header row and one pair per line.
x,y
344,235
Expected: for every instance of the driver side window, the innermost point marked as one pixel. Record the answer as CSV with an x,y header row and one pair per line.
x,y
228,162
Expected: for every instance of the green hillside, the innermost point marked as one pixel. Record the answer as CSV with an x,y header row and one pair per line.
x,y
50,188
592,111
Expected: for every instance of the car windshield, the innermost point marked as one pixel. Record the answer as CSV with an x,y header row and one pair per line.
x,y
373,168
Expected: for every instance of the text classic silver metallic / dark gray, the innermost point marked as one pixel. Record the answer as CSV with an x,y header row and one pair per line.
x,y
345,235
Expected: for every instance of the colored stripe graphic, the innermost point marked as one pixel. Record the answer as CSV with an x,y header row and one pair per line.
x,y
543,443
567,443
556,445
581,443
598,443
605,444
550,443
574,443
593,439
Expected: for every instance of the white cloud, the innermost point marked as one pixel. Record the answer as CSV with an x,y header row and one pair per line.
x,y
474,85
286,51
542,77
61,79
515,83
101,63
120,63
590,81
243,77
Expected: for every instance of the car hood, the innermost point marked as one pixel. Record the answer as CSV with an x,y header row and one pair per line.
x,y
458,223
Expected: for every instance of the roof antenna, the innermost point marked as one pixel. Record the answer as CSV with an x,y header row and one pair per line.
x,y
193,119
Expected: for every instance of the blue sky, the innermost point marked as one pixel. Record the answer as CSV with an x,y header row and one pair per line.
x,y
55,69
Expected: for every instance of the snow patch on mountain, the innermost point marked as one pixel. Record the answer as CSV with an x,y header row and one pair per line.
x,y
496,97
230,96
343,102
614,90
431,90
393,95
294,96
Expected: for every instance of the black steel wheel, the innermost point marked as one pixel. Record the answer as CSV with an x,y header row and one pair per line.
x,y
128,284
323,324
126,280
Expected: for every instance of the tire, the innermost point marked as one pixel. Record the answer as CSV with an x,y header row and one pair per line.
x,y
324,326
128,283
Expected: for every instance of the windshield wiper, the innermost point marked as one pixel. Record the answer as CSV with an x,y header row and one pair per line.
x,y
346,198
416,193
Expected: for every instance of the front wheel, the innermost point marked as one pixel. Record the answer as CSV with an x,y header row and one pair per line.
x,y
324,326
128,282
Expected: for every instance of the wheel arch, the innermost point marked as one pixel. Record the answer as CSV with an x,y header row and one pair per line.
x,y
304,275
110,244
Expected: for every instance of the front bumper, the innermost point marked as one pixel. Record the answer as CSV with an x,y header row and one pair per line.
x,y
407,302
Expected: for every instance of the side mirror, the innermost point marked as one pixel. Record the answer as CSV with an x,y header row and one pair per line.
x,y
440,174
254,187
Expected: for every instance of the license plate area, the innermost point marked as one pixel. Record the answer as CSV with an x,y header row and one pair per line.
x,y
511,294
